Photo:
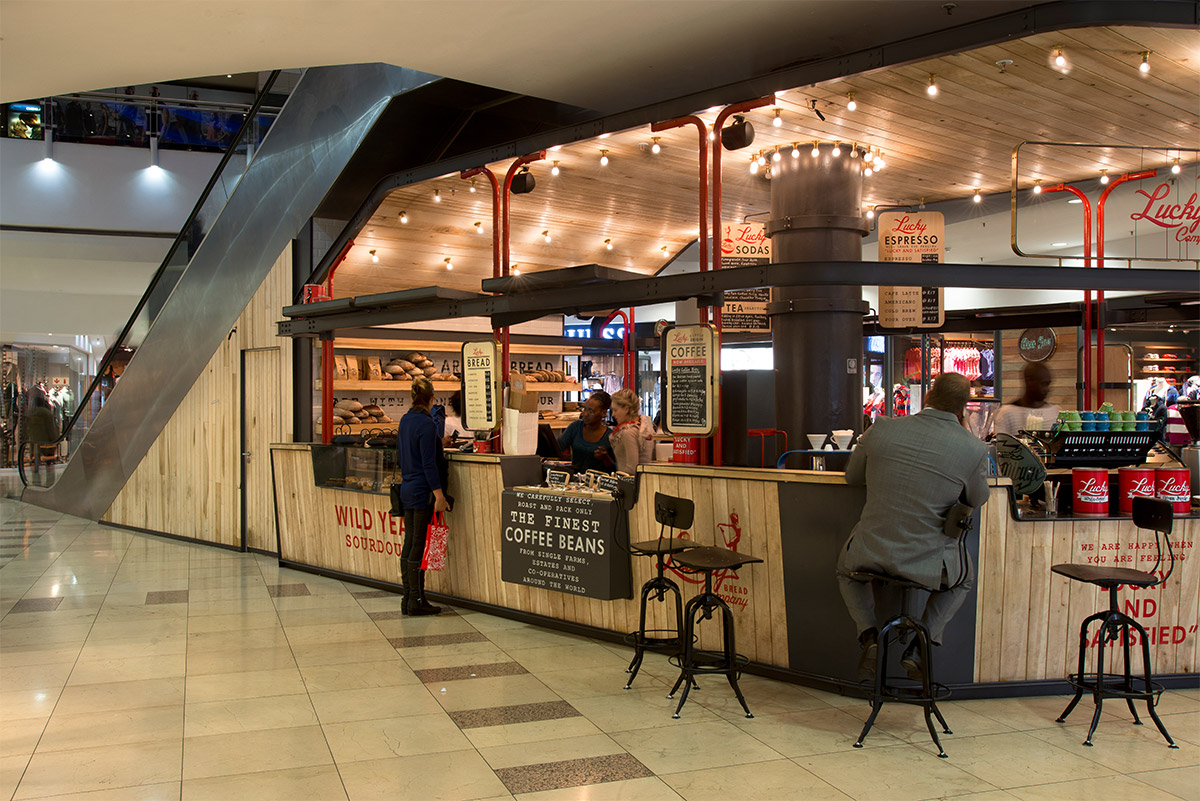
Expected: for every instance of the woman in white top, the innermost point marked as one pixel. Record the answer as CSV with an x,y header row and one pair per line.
x,y
1014,416
454,427
633,439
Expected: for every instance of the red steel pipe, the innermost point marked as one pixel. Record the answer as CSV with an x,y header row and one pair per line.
x,y
736,108
702,129
491,176
627,358
1113,184
1087,294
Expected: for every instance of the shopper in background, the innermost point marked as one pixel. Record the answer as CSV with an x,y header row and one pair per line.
x,y
915,469
421,492
588,438
633,439
1014,416
454,427
40,429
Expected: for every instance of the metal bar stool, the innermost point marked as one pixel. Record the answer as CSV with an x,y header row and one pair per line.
x,y
1115,625
693,661
898,627
671,513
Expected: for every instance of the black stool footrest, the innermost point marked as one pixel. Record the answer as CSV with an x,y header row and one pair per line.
x,y
1113,687
712,662
654,642
908,694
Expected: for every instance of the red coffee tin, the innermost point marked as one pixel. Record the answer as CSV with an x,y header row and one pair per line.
x,y
687,450
1173,484
1089,491
1131,482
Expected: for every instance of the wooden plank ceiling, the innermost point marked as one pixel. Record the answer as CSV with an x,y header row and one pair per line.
x,y
935,148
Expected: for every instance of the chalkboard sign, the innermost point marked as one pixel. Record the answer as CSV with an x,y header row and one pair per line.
x,y
563,542
481,385
691,367
746,310
1037,344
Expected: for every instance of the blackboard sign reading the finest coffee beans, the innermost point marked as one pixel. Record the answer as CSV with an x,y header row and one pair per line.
x,y
691,366
1036,344
563,542
481,385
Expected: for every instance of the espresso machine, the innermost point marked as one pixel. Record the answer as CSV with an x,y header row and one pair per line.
x,y
1190,412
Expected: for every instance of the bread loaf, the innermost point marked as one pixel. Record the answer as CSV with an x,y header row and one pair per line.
x,y
406,364
430,371
415,357
372,409
425,364
394,369
349,405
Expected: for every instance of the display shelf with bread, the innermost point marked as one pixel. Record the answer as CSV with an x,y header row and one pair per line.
x,y
519,349
442,386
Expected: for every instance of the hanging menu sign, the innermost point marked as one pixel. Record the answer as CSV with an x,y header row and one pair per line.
x,y
481,385
565,542
691,365
919,237
746,310
744,244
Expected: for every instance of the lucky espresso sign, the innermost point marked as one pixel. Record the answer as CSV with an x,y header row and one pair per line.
x,y
905,236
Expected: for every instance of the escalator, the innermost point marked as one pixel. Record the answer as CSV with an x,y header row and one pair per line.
x,y
240,225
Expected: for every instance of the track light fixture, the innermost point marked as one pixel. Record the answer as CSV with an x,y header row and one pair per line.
x,y
603,158
932,88
449,264
404,218
1144,67
1175,168
374,257
437,196
977,198
554,170
812,104
1104,177
738,134
850,104
655,148
778,121
523,182
478,227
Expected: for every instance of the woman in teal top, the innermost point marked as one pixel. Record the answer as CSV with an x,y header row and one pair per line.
x,y
587,437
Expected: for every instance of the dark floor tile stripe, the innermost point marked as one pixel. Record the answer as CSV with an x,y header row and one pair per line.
x,y
167,597
375,594
287,590
572,773
431,675
436,639
36,605
508,715
396,614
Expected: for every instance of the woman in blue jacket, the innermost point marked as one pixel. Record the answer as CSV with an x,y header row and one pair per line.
x,y
421,492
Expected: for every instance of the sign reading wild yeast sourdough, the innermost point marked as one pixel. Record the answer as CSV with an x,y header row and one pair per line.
x,y
691,367
481,385
919,237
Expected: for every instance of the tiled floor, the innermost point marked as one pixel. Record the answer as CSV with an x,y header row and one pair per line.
x,y
140,668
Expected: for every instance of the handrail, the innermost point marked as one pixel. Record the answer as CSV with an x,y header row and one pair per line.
x,y
184,231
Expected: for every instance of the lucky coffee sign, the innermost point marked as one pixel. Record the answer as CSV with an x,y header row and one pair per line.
x,y
691,367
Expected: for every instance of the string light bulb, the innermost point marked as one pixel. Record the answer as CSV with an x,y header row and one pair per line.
x,y
795,150
753,166
478,227
712,136
1037,186
404,218
851,105
867,171
871,213
603,158
663,250
608,244
1144,67
868,156
1104,177
437,196
837,149
472,187
546,236
449,264
816,151
374,257
932,88
778,121
554,170
776,156
977,198
879,163
655,148
1060,59
1175,168
854,151
516,270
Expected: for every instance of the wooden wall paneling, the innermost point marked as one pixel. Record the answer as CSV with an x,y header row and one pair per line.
x,y
1039,598
1063,366
263,416
990,599
1062,633
1189,595
1014,629
778,594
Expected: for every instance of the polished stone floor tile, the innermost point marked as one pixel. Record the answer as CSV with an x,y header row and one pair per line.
x,y
895,773
165,791
422,641
384,738
643,708
199,624
548,751
530,733
1181,782
340,653
991,758
36,605
32,677
341,706
248,714
1121,742
18,737
568,657
514,714
167,597
357,675
445,776
592,682
817,731
320,783
648,789
778,780
680,746
246,684
155,724
23,704
498,691
480,671
287,590
1107,787
93,670
241,660
253,752
99,768
78,699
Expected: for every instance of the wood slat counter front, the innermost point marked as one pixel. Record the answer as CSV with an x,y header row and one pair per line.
x,y
1019,626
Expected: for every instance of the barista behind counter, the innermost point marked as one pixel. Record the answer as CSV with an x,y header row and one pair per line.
x,y
587,438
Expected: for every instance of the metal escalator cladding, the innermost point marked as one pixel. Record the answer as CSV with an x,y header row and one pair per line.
x,y
320,127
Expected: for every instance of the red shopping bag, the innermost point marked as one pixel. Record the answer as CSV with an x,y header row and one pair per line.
x,y
435,544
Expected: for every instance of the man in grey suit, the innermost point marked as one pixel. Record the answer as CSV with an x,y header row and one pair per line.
x,y
915,469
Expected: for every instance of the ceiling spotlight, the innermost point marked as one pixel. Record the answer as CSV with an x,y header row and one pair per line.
x,y
603,158
404,218
854,151
816,151
776,156
546,236
554,170
655,148
1060,60
978,198
837,149
1037,186
812,104
932,88
478,227
1145,65
737,135
437,196
762,159
795,150
1004,64
1104,177
851,105
608,244
868,172
778,121
1175,168
472,189
878,163
449,264
871,213
753,166
374,257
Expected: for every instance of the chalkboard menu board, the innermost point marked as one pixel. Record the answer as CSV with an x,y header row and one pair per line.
x,y
564,541
691,367
481,385
746,310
